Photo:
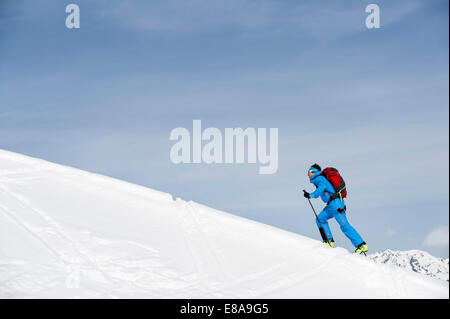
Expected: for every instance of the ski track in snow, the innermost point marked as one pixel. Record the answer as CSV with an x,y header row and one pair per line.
x,y
69,252
53,236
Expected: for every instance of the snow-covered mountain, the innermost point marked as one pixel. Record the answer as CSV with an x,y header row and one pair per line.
x,y
415,260
67,233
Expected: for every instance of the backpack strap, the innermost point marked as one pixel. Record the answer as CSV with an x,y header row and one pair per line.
x,y
338,194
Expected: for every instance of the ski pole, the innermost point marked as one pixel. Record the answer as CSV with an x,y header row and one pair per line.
x,y
321,230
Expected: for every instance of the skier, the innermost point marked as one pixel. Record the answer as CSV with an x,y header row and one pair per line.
x,y
335,208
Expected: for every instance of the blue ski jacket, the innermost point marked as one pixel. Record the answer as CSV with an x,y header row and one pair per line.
x,y
323,189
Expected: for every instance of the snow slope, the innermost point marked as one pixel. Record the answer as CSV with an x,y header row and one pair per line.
x,y
67,233
415,260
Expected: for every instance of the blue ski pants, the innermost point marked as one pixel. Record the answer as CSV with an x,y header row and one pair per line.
x,y
329,212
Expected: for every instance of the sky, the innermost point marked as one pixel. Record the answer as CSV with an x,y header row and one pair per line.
x,y
371,102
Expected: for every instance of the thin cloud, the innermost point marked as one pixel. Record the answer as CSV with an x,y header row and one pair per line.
x,y
193,15
313,19
438,237
390,232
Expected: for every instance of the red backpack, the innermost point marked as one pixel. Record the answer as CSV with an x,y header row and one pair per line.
x,y
332,175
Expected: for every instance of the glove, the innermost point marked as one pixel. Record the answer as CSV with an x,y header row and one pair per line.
x,y
306,194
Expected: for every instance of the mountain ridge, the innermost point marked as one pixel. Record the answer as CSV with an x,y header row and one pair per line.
x,y
415,260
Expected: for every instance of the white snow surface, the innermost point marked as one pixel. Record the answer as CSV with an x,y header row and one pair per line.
x,y
67,233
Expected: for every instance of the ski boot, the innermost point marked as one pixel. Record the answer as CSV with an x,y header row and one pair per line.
x,y
329,243
361,249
